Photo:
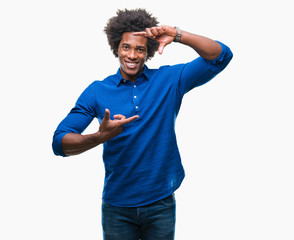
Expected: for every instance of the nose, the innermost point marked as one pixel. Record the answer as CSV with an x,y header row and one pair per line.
x,y
132,54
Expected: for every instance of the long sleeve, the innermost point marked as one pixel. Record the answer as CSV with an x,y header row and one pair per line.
x,y
200,70
77,120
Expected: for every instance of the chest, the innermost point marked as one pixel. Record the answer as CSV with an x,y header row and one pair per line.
x,y
143,98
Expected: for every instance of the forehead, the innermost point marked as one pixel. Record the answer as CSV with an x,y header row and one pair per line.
x,y
130,39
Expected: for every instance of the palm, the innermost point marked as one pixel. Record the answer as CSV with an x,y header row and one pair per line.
x,y
111,128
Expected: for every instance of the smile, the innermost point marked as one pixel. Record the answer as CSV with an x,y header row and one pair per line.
x,y
131,64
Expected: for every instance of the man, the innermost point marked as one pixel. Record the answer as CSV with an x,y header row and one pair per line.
x,y
141,158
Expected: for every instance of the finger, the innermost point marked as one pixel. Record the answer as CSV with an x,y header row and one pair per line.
x,y
119,116
154,31
143,33
107,114
161,47
149,33
128,120
162,29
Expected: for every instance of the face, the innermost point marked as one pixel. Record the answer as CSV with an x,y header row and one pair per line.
x,y
132,54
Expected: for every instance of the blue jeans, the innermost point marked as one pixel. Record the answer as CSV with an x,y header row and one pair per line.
x,y
155,221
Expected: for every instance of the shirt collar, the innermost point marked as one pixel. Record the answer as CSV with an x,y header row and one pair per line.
x,y
146,73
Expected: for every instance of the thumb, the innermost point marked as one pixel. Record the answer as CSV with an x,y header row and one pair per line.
x,y
107,114
161,47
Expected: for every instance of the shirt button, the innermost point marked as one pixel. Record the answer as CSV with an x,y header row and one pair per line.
x,y
135,96
137,107
135,86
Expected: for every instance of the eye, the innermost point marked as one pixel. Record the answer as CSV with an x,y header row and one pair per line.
x,y
141,50
125,47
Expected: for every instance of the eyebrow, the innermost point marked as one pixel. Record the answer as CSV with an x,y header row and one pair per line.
x,y
138,46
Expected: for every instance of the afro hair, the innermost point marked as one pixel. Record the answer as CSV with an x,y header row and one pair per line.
x,y
130,21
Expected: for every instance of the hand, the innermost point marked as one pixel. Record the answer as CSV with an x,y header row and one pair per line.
x,y
109,129
162,34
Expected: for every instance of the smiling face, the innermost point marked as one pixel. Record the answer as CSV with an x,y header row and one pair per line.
x,y
132,54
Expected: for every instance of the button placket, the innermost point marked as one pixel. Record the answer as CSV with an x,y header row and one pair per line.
x,y
135,98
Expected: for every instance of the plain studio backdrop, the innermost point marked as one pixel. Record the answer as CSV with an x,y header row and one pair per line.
x,y
235,133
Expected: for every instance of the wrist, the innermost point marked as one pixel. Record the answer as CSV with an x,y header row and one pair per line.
x,y
178,34
96,137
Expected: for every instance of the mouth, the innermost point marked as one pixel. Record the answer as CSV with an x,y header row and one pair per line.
x,y
131,64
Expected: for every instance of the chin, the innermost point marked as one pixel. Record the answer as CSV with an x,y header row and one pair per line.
x,y
132,72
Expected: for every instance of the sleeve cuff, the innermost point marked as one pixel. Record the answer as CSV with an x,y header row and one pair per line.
x,y
219,63
56,145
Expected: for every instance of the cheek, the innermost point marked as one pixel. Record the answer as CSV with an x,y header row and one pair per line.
x,y
144,60
120,60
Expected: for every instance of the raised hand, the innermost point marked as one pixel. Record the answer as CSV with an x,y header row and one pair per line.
x,y
109,129
163,34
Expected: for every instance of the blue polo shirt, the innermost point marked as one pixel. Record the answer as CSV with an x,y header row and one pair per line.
x,y
142,164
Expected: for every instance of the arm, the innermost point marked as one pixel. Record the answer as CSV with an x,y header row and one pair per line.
x,y
205,47
73,144
214,56
68,139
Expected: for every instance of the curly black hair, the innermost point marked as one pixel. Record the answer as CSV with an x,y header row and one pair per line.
x,y
130,21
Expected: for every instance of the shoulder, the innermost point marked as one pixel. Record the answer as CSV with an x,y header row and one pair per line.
x,y
108,81
166,70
